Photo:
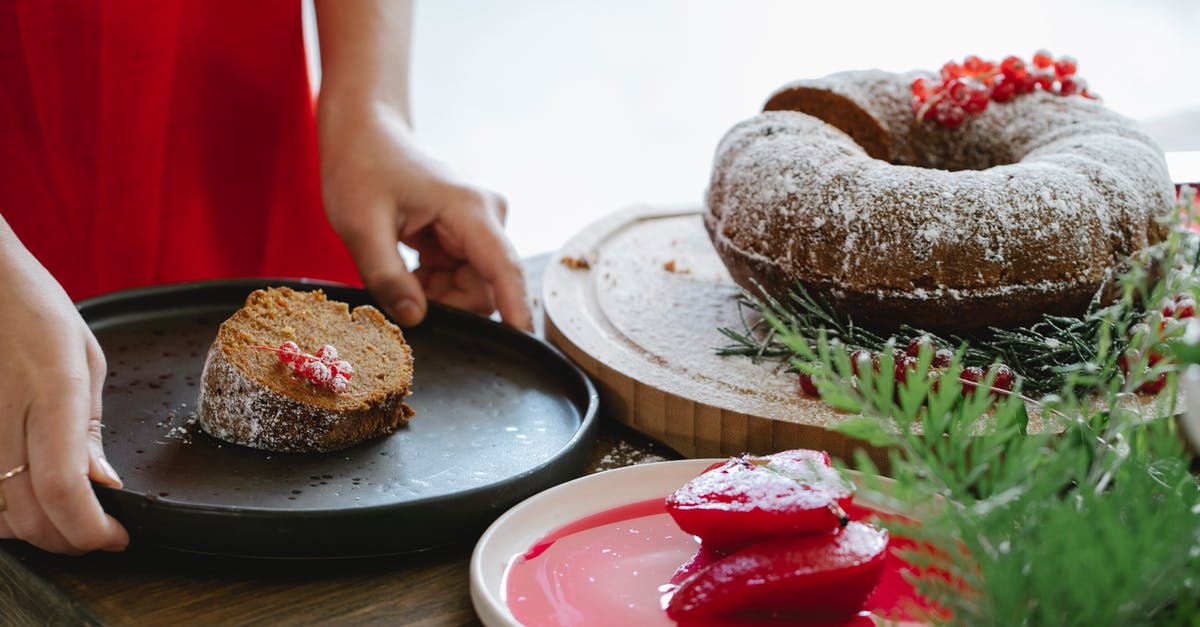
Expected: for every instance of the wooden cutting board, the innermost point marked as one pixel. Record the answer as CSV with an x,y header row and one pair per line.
x,y
642,320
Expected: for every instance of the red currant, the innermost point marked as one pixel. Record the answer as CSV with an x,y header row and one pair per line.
x,y
858,360
338,384
1042,59
327,354
942,358
1004,90
974,65
916,344
1185,308
903,366
300,361
318,372
1012,67
1155,386
952,70
807,386
927,109
920,89
949,114
958,91
1065,66
343,368
1004,377
969,377
1026,83
1068,86
978,100
1043,80
288,351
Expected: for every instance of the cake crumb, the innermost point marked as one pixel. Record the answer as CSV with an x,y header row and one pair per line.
x,y
670,266
182,432
575,263
623,454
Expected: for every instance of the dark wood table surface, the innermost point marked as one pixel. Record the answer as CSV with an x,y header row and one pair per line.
x,y
152,587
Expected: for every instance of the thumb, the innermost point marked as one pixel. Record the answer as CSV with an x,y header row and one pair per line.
x,y
382,269
99,470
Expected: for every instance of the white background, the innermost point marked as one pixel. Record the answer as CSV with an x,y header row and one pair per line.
x,y
576,109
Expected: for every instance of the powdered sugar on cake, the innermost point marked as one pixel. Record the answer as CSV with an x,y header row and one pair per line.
x,y
1039,197
264,397
246,413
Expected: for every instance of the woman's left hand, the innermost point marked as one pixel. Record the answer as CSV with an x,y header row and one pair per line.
x,y
380,188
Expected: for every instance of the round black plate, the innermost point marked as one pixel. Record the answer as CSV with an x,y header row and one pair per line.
x,y
501,415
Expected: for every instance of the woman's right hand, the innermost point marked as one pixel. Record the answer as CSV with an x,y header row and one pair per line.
x,y
51,376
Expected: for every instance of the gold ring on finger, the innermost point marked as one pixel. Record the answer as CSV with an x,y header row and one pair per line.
x,y
12,473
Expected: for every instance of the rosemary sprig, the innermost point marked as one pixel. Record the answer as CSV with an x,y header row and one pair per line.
x,y
1080,352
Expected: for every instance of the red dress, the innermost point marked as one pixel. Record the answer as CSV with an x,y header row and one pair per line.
x,y
157,141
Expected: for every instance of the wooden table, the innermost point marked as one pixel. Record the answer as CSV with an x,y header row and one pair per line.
x,y
167,588
149,587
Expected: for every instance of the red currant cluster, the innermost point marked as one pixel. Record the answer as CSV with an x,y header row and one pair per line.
x,y
325,368
966,88
1181,307
905,360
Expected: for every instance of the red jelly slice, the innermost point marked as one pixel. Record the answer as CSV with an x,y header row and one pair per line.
x,y
817,576
750,499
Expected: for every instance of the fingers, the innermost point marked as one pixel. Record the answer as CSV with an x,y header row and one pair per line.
x,y
57,445
99,470
458,286
50,382
25,519
22,517
496,260
383,271
470,231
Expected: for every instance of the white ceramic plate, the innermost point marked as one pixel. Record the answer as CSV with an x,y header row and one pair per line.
x,y
513,533
518,529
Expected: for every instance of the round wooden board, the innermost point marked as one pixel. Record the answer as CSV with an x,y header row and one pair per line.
x,y
642,320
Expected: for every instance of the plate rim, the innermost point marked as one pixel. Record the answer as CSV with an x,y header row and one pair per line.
x,y
583,397
488,602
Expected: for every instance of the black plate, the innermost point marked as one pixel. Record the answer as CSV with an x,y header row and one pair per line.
x,y
501,415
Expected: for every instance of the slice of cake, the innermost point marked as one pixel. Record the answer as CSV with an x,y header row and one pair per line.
x,y
294,371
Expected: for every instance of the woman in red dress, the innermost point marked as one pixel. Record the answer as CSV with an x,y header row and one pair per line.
x,y
157,141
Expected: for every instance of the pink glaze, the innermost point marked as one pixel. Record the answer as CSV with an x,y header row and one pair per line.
x,y
613,568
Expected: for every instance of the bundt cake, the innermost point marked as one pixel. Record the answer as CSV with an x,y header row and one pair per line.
x,y
293,371
1022,209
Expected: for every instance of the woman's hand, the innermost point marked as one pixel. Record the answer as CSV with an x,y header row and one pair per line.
x,y
379,188
51,377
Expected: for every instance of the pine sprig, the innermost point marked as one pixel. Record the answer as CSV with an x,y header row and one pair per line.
x,y
1094,520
